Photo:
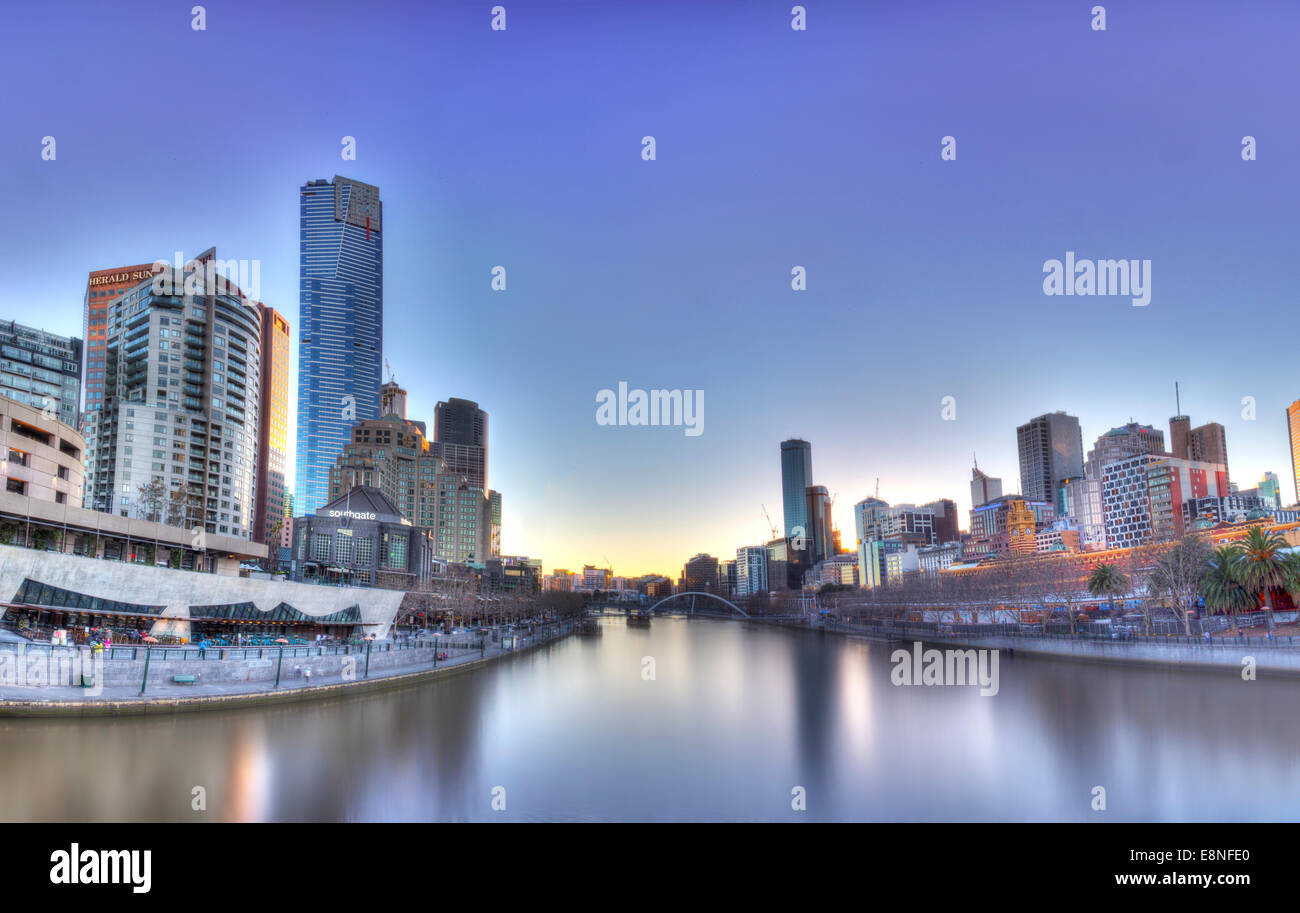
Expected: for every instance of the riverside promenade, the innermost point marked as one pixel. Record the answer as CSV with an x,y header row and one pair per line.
x,y
45,681
1281,654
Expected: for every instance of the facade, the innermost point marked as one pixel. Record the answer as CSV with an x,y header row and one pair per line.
x,y
837,570
751,570
796,477
460,436
596,578
936,558
1008,525
175,436
1124,442
42,370
819,521
983,487
1293,435
944,522
883,563
701,574
1207,443
1143,497
362,539
514,574
273,430
340,325
1083,505
40,457
1051,451
102,287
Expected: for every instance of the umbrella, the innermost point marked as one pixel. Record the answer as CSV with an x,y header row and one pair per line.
x,y
281,640
151,639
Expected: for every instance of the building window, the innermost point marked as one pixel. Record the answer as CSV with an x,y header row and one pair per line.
x,y
17,486
321,547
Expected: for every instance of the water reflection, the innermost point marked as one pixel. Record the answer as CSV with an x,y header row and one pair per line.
x,y
734,718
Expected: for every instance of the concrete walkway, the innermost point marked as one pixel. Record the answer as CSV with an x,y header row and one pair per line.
x,y
169,697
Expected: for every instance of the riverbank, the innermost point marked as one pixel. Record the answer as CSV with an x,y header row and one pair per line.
x,y
225,683
1178,653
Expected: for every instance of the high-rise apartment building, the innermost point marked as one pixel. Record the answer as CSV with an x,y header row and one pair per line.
x,y
751,570
340,325
102,287
1293,433
176,436
1051,451
41,370
272,432
1143,497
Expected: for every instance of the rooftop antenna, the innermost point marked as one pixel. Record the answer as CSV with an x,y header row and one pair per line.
x,y
1178,403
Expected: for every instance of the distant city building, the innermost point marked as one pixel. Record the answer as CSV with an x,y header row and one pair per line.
x,y
751,570
103,286
460,436
41,370
796,477
1143,496
559,580
728,575
1051,451
983,487
1207,443
701,574
1007,525
655,587
935,558
945,525
1270,488
596,578
1293,434
837,570
1083,505
40,457
273,430
340,325
819,521
175,438
1121,443
513,574
884,563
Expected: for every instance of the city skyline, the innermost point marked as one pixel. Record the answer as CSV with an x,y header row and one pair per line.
x,y
708,233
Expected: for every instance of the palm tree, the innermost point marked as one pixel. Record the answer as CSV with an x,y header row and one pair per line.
x,y
1220,588
1106,580
1261,568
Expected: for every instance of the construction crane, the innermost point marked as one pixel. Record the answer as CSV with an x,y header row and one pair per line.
x,y
769,520
391,378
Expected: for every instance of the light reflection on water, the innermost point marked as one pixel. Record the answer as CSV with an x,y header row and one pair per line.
x,y
736,717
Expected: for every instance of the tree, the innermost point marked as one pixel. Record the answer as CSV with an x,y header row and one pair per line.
x,y
1178,573
1260,566
1107,581
1220,588
152,495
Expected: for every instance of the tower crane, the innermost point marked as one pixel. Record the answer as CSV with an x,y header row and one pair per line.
x,y
769,520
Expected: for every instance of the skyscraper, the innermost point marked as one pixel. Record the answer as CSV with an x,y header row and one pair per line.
x,y
102,286
796,477
983,487
1123,442
41,370
273,431
340,324
1051,452
176,438
1293,431
460,436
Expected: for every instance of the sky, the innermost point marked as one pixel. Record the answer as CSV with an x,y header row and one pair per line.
x,y
774,148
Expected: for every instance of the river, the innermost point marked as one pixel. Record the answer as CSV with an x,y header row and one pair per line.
x,y
733,718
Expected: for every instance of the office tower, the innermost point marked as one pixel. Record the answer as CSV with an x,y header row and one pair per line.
x,y
1083,506
494,523
1208,444
1270,489
796,476
945,525
751,570
1124,442
340,325
103,286
272,431
819,521
1051,452
701,574
41,370
176,438
983,487
460,436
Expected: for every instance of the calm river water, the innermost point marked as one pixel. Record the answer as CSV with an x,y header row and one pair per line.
x,y
735,717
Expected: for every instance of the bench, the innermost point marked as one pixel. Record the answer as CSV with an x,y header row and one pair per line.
x,y
185,679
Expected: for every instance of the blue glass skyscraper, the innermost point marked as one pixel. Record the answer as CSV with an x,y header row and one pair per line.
x,y
796,476
340,325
